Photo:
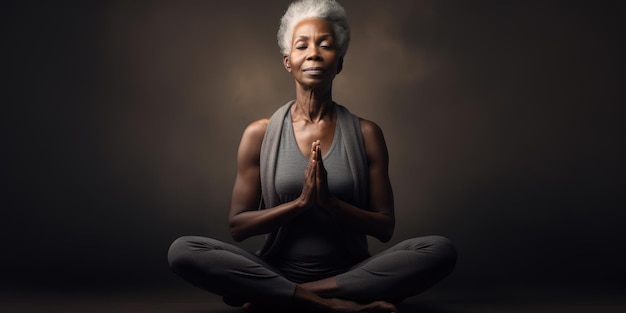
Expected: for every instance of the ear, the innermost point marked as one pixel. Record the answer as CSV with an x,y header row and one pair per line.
x,y
340,65
286,63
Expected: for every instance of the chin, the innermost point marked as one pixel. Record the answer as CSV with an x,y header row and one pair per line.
x,y
316,83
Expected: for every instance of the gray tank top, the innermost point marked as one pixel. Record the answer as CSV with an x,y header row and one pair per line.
x,y
312,249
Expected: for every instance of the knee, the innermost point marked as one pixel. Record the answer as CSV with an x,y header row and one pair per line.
x,y
179,252
442,244
437,246
444,249
187,252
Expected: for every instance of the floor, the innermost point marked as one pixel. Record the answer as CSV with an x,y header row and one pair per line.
x,y
189,300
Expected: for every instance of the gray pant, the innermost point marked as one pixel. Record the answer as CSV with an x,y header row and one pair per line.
x,y
401,271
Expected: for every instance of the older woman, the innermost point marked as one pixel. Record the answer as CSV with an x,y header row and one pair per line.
x,y
321,176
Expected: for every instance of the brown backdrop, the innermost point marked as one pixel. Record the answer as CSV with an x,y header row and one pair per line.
x,y
121,122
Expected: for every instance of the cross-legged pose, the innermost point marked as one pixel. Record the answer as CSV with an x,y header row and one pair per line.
x,y
314,179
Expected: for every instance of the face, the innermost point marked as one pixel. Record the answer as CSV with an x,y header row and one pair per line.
x,y
314,59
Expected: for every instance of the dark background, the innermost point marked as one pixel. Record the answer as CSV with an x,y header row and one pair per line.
x,y
121,119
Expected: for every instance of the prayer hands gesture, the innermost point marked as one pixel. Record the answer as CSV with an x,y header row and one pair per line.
x,y
315,189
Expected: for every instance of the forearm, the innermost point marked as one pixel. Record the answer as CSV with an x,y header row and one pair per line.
x,y
376,224
257,222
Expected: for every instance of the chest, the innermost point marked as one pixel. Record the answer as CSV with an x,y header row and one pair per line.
x,y
292,163
305,134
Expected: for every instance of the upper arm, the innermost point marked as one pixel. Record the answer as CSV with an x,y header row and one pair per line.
x,y
380,191
247,189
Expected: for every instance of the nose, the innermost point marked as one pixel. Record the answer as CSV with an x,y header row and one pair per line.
x,y
314,54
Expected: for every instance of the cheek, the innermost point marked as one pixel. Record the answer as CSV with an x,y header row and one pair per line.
x,y
331,57
295,61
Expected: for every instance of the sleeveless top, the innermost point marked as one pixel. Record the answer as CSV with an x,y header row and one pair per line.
x,y
352,140
312,248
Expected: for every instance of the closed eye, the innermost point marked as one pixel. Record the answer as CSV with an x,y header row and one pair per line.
x,y
327,44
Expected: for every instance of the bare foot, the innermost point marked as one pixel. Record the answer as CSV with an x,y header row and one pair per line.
x,y
306,299
333,305
380,307
344,306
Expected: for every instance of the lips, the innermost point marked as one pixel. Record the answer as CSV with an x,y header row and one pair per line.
x,y
314,70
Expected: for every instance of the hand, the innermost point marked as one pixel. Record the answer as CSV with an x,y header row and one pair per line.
x,y
309,188
324,197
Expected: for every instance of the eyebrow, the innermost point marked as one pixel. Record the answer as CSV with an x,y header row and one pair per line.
x,y
323,36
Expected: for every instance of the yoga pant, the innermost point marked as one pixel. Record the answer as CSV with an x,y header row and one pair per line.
x,y
401,271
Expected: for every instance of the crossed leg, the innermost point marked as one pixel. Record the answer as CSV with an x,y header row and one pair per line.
x,y
242,277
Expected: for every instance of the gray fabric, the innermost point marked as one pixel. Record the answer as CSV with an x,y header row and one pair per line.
x,y
356,243
311,250
227,270
401,271
404,270
293,163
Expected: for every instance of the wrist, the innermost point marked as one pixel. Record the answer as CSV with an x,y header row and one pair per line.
x,y
302,203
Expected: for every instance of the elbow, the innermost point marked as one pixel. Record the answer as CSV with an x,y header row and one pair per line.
x,y
385,236
238,237
236,232
386,233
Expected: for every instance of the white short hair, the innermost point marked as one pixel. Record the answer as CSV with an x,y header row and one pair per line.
x,y
328,10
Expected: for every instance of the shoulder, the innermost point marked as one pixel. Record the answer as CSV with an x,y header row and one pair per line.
x,y
251,141
370,130
256,129
374,141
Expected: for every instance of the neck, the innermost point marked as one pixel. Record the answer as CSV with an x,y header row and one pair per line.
x,y
313,104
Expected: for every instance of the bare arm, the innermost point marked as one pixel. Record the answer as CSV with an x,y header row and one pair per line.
x,y
245,220
378,219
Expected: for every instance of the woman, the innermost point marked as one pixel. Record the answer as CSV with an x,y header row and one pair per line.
x,y
322,176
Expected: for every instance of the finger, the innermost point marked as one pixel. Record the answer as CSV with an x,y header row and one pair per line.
x,y
313,147
311,168
319,158
310,174
318,173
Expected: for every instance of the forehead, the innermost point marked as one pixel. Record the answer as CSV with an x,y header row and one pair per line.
x,y
313,27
